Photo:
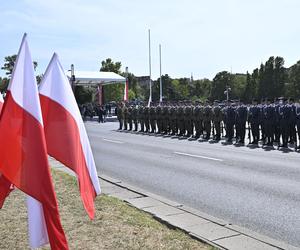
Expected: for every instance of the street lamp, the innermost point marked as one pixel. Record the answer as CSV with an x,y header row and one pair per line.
x,y
226,92
72,77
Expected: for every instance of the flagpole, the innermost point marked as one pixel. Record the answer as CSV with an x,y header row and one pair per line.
x,y
150,83
160,80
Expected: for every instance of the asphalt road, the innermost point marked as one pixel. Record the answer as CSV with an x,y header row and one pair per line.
x,y
255,188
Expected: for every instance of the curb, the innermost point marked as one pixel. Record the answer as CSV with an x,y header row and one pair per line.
x,y
206,228
234,237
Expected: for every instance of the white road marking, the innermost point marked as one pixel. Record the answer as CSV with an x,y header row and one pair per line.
x,y
118,142
198,156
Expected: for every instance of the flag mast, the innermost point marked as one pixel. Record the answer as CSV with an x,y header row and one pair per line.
x,y
160,80
150,83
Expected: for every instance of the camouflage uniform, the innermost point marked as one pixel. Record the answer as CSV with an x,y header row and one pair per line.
x,y
217,118
146,119
159,119
152,117
135,118
125,116
207,121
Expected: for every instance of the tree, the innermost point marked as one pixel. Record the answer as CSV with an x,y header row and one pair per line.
x,y
9,62
292,88
113,92
219,84
109,66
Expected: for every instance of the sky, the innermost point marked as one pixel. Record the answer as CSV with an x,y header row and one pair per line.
x,y
202,37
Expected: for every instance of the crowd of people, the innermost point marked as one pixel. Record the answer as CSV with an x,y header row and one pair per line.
x,y
270,121
91,109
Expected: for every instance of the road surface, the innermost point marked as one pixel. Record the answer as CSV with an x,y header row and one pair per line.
x,y
255,188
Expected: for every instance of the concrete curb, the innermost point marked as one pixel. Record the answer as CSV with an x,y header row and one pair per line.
x,y
199,225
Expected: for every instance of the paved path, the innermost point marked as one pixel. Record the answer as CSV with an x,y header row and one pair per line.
x,y
255,188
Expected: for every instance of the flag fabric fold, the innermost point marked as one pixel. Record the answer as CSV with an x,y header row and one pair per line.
x,y
24,160
63,126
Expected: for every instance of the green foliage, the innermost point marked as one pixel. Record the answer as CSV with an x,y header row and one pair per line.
x,y
9,62
83,94
109,66
219,85
113,92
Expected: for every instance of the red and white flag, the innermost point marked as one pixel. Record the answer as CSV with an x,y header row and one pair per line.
x,y
1,102
66,137
5,185
24,160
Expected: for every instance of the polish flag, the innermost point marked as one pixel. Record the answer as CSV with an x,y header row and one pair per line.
x,y
66,137
5,185
126,90
24,160
1,102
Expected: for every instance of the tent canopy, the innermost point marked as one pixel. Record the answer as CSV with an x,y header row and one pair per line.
x,y
96,77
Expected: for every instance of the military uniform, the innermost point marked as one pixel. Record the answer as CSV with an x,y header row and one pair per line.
x,y
269,117
165,119
254,120
125,116
141,118
129,117
180,120
241,118
172,120
120,116
217,118
152,119
135,117
285,113
159,119
230,120
188,113
207,117
146,119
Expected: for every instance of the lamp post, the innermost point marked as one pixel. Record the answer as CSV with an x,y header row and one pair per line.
x,y
72,77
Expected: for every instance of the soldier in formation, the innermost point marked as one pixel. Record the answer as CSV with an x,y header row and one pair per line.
x,y
268,121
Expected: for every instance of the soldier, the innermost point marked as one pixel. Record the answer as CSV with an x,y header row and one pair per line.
x,y
298,122
241,118
254,120
230,120
146,119
135,117
292,122
152,118
188,112
180,120
165,118
119,113
285,113
196,120
207,116
269,117
125,116
141,118
129,117
217,118
158,112
262,121
172,119
277,121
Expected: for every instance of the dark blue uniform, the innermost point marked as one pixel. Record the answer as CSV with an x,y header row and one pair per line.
x,y
241,118
269,117
254,119
230,120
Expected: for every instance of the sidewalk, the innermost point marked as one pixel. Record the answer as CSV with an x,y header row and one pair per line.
x,y
204,227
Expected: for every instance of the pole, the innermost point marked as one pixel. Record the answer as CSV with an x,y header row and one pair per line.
x,y
160,80
72,77
150,83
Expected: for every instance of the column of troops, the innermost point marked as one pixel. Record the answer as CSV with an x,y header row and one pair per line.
x,y
269,121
